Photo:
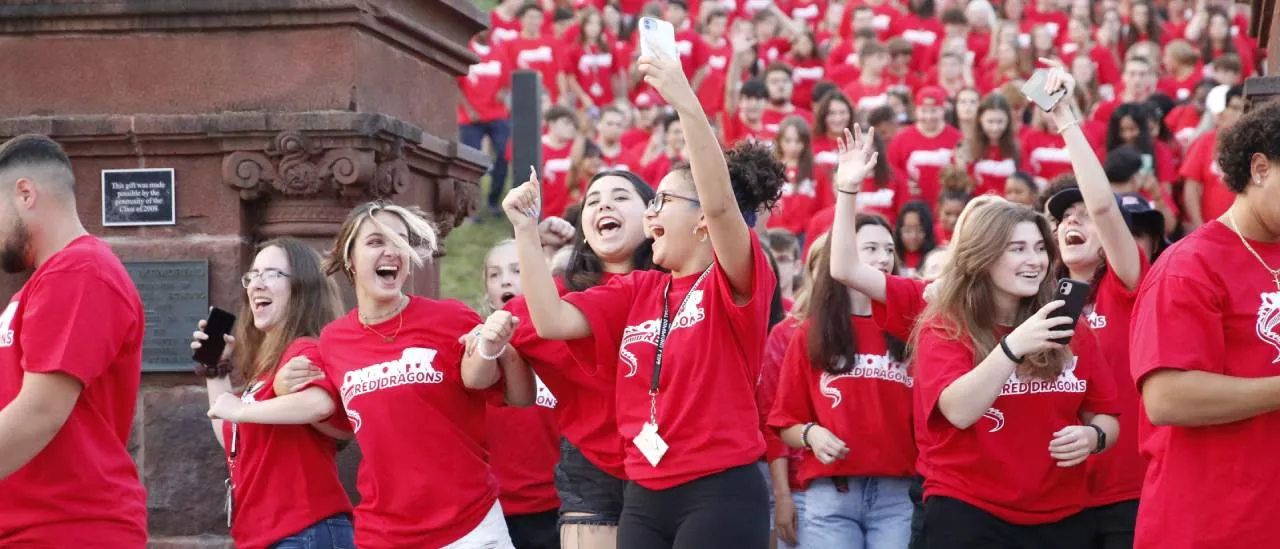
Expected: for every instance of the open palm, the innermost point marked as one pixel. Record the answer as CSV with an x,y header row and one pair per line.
x,y
858,156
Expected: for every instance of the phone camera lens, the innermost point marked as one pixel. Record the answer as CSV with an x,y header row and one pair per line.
x,y
648,25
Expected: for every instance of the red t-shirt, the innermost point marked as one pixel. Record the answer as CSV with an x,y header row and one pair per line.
x,y
482,84
689,44
902,306
870,401
990,172
707,415
1201,164
595,69
867,97
1209,305
582,385
1180,89
799,201
820,225
424,480
886,201
884,21
715,57
775,349
923,33
1044,154
826,154
78,315
623,160
1001,464
773,117
805,73
922,158
1116,475
524,448
545,55
736,130
556,163
285,477
808,13
841,64
502,29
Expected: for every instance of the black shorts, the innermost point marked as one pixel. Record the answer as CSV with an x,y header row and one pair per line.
x,y
585,488
953,524
536,531
1113,525
727,510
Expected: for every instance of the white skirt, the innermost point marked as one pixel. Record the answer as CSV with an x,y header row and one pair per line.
x,y
491,533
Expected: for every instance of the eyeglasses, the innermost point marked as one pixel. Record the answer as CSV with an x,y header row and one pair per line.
x,y
267,276
662,197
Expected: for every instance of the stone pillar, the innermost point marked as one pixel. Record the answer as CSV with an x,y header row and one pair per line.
x,y
277,116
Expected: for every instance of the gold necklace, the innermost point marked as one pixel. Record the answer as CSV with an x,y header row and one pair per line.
x,y
385,338
1275,273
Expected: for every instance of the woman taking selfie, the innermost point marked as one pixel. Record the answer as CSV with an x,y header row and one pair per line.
x,y
590,477
397,357
692,430
284,485
1098,247
1006,414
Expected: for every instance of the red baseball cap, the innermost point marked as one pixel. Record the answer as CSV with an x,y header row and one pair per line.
x,y
645,100
931,96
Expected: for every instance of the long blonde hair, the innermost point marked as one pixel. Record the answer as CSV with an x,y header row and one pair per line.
x,y
965,300
804,294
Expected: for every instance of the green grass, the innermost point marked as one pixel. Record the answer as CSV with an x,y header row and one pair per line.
x,y
462,268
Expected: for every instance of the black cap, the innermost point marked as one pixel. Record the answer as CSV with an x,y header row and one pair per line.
x,y
1060,201
1144,214
1122,164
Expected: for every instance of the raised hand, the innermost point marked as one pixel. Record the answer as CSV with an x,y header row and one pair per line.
x,y
668,78
522,203
1038,332
858,157
1060,78
496,333
555,232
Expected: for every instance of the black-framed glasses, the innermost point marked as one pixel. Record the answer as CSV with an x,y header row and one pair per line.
x,y
267,276
662,197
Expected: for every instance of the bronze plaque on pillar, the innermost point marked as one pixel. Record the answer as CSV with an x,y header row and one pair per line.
x,y
175,296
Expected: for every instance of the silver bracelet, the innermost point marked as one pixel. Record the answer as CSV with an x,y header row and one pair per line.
x,y
480,351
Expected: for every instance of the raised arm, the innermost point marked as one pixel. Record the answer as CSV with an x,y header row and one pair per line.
x,y
857,158
1122,250
744,46
483,366
730,235
553,318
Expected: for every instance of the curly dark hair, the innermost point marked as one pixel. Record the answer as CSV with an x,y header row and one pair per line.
x,y
756,175
1254,133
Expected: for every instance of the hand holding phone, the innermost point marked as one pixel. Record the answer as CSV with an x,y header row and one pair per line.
x,y
1074,294
211,340
1035,90
658,38
1054,324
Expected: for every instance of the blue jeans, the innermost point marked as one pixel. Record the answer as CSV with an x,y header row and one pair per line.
x,y
871,512
499,131
334,532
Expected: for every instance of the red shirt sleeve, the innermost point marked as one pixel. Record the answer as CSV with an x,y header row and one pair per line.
x,y
775,348
902,306
310,348
606,308
1197,158
938,363
793,405
74,323
1177,324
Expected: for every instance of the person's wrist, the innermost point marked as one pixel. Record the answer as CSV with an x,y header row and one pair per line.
x,y
1011,351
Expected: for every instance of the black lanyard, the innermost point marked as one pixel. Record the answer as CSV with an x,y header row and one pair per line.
x,y
665,327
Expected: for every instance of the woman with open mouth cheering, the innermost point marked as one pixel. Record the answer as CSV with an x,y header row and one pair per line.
x,y
689,342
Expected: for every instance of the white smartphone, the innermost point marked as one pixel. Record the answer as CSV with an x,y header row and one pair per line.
x,y
1034,90
658,37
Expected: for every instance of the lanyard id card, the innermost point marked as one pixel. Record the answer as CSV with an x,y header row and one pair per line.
x,y
649,441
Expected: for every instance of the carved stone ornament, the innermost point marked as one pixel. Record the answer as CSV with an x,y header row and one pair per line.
x,y
295,166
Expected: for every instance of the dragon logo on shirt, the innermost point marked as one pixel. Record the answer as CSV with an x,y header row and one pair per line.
x,y
1268,318
997,417
543,397
6,319
647,332
415,366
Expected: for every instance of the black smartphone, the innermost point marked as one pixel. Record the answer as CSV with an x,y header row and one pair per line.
x,y
217,325
1034,90
1074,293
